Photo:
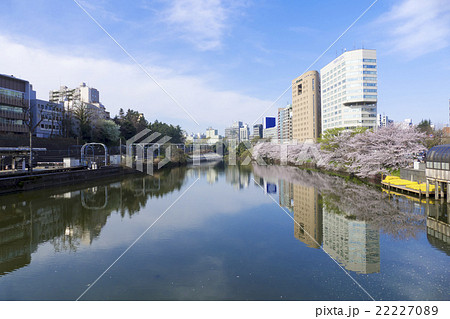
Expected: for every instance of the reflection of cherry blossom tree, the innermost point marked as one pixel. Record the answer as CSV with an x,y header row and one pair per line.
x,y
399,217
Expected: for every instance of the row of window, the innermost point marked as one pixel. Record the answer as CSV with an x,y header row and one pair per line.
x,y
358,97
49,127
10,121
51,117
438,165
12,93
11,109
362,91
51,107
363,78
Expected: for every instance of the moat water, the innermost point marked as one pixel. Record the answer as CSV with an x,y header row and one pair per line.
x,y
220,232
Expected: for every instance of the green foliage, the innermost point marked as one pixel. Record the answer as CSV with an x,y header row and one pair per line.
x,y
106,131
130,123
434,136
425,127
327,139
241,149
395,172
255,140
174,132
83,115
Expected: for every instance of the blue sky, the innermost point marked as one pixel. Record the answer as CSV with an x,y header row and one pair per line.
x,y
226,60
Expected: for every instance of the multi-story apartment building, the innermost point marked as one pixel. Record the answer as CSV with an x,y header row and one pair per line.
x,y
285,123
71,98
15,96
306,112
257,131
244,133
49,117
349,91
234,132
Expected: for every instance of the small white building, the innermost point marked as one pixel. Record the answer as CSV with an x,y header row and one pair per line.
x,y
383,120
244,133
212,136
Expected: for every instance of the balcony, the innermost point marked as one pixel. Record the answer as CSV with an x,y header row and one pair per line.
x,y
14,101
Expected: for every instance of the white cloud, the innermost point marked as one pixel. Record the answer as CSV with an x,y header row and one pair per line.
x,y
201,22
417,27
125,85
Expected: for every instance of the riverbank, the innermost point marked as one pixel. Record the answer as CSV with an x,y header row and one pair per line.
x,y
42,179
21,181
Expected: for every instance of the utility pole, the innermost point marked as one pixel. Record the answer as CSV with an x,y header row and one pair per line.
x,y
31,129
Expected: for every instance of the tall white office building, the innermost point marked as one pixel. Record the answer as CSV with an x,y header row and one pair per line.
x,y
349,91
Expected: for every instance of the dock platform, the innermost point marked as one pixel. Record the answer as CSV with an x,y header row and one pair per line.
x,y
397,184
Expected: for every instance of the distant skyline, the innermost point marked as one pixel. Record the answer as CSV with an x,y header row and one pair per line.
x,y
226,60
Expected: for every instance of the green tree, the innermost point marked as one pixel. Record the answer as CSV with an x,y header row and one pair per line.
x,y
328,138
130,123
425,127
175,132
106,131
255,140
83,116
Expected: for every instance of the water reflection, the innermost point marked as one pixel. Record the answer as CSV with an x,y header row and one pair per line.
x,y
438,228
343,218
72,218
307,215
346,218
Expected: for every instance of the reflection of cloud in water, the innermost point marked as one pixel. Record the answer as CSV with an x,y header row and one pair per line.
x,y
206,281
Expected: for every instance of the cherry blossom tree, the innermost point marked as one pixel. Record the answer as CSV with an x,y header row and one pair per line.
x,y
364,152
373,152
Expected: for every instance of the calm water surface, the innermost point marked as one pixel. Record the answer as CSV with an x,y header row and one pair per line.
x,y
253,233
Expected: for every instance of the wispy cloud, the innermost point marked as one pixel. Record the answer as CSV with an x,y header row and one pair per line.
x,y
200,22
417,27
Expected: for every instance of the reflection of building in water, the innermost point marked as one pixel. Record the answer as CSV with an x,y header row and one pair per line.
x,y
353,243
286,194
438,228
307,215
60,220
212,176
72,217
238,178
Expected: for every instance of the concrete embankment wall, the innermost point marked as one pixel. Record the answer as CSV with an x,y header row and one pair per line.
x,y
30,182
413,175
